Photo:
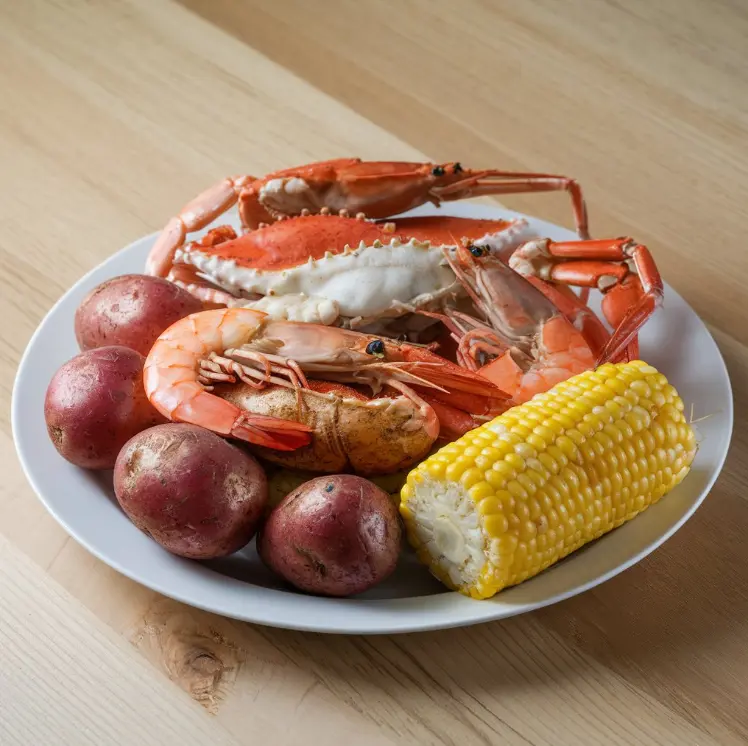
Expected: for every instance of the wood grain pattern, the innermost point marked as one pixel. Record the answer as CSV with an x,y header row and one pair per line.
x,y
113,113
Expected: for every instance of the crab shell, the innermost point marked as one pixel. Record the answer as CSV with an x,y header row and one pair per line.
x,y
358,270
351,431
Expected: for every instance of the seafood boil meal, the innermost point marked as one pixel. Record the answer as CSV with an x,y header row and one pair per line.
x,y
328,379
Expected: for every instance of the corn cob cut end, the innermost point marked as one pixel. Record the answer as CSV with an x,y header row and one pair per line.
x,y
519,493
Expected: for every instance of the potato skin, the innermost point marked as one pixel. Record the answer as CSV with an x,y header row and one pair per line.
x,y
131,310
334,535
194,493
95,403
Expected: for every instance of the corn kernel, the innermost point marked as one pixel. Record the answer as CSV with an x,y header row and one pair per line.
x,y
495,479
525,451
517,490
495,525
576,409
587,428
506,499
507,544
685,433
560,485
614,433
536,442
562,419
515,461
491,453
489,505
455,470
535,509
546,433
658,398
436,469
640,388
471,477
589,453
650,443
531,481
507,441
652,465
521,430
558,455
570,478
480,491
669,412
568,447
680,476
575,436
616,480
550,463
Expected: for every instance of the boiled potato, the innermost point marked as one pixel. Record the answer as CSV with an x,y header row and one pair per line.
x,y
131,310
95,403
194,493
334,535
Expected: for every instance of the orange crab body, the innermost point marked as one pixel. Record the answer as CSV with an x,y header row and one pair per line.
x,y
331,269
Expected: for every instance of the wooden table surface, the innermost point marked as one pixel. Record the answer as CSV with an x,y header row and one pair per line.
x,y
114,112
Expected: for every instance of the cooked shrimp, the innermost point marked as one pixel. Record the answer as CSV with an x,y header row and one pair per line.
x,y
175,384
560,352
526,345
229,344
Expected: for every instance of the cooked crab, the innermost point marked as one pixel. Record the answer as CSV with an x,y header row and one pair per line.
x,y
329,269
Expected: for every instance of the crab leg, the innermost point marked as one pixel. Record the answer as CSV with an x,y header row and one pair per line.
x,y
623,270
491,183
188,278
652,291
196,214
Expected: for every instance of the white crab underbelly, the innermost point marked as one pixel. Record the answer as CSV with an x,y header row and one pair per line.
x,y
365,282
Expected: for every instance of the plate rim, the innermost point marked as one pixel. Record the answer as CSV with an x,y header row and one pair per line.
x,y
483,611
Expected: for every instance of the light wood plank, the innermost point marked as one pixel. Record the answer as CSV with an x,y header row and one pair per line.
x,y
56,658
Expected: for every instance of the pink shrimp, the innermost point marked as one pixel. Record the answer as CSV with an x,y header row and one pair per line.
x,y
228,344
526,344
175,384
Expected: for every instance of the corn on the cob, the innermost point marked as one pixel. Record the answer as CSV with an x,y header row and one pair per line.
x,y
517,494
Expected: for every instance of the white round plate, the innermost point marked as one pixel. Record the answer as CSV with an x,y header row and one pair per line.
x,y
675,341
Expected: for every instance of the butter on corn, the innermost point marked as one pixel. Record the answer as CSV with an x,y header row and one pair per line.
x,y
519,493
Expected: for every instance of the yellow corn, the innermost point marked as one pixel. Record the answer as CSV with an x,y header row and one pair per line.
x,y
517,494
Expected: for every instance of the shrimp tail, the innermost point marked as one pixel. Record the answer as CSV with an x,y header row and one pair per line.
x,y
271,432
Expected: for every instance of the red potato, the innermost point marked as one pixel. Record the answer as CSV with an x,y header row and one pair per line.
x,y
131,310
95,403
334,536
194,493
